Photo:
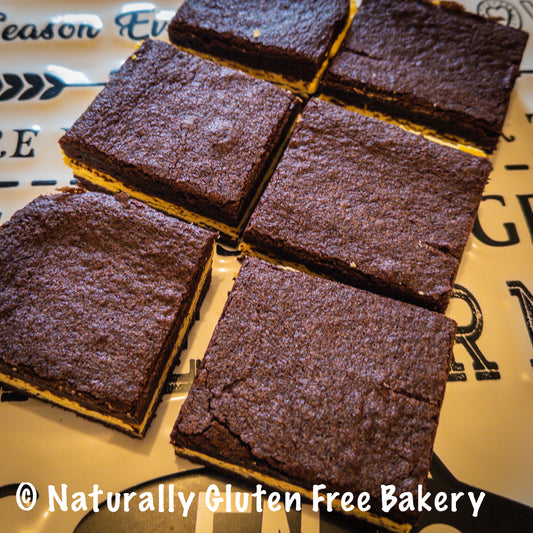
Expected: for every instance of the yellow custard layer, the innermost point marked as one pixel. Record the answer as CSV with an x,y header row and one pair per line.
x,y
281,485
137,430
109,183
410,127
305,88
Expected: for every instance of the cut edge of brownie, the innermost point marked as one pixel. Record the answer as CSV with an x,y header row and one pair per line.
x,y
136,424
425,130
458,133
94,180
207,45
276,254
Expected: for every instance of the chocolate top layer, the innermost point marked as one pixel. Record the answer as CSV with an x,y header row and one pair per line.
x,y
183,128
315,381
370,203
90,288
302,30
446,58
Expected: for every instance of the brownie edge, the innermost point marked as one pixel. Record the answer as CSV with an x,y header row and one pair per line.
x,y
291,39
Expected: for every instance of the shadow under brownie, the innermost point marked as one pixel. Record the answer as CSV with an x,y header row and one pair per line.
x,y
369,204
308,381
435,65
183,134
97,294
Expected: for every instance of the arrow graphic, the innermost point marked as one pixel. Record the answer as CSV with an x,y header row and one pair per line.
x,y
30,85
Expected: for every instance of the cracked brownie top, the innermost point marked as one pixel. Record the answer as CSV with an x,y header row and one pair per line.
x,y
312,381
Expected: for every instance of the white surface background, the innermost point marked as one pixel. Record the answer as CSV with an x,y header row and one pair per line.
x,y
485,435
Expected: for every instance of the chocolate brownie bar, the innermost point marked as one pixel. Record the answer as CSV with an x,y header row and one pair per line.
x,y
284,41
307,381
183,134
369,204
96,296
435,65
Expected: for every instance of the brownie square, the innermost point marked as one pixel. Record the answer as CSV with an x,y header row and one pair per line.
x,y
435,65
369,204
96,297
273,38
307,381
183,134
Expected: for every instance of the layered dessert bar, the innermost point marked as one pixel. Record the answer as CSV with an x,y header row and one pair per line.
x,y
183,134
97,294
369,204
311,382
437,66
285,42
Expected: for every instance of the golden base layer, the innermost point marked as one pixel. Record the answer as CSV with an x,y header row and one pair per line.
x,y
281,485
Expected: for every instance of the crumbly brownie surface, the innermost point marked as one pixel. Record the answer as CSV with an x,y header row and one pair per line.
x,y
364,201
185,130
290,37
311,381
93,290
436,65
